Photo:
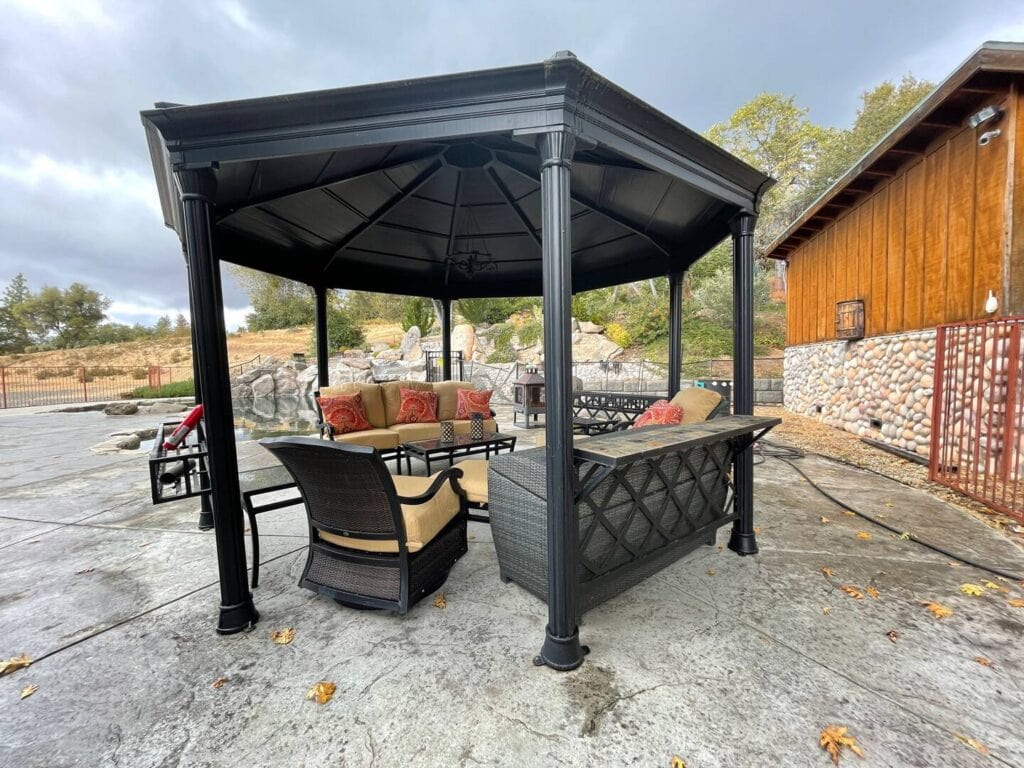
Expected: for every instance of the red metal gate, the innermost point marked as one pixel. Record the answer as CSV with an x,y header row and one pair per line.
x,y
977,439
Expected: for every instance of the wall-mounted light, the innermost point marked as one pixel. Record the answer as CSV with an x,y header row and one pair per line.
x,y
984,115
991,303
988,136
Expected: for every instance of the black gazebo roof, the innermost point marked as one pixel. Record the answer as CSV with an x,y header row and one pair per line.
x,y
431,187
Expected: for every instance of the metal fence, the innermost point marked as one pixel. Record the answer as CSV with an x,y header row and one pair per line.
x,y
978,412
24,385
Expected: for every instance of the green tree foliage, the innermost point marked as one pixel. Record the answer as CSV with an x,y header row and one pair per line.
x,y
181,325
14,335
479,311
418,312
276,301
163,326
63,318
364,307
342,331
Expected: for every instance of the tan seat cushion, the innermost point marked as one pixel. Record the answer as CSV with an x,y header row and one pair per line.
x,y
391,393
408,433
381,439
422,521
373,403
448,398
462,426
474,479
697,403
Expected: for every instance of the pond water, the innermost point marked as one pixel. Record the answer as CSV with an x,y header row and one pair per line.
x,y
274,416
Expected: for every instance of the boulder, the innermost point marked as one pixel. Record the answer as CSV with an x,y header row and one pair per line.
x,y
117,443
165,407
410,340
414,353
263,386
594,346
464,340
588,327
388,355
121,409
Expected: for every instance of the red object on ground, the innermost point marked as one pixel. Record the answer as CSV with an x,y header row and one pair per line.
x,y
186,426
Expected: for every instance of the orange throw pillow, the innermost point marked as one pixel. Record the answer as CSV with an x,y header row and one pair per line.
x,y
473,401
417,407
660,412
345,413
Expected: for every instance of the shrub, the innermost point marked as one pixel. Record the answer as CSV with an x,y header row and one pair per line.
x,y
185,388
342,333
418,312
617,333
140,373
479,311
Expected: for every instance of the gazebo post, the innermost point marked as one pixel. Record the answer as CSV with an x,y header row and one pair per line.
x,y
197,187
205,510
446,339
323,373
675,330
743,539
561,649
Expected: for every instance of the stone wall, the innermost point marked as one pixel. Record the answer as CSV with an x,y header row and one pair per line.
x,y
880,387
768,392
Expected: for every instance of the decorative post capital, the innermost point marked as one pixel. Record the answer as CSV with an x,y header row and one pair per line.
x,y
742,224
196,184
556,147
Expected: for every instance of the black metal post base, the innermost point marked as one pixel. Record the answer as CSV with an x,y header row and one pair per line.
x,y
561,653
205,520
743,543
237,618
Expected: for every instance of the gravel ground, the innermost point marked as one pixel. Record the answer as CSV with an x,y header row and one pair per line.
x,y
814,437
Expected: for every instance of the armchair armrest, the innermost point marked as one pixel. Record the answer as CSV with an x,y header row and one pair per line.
x,y
450,475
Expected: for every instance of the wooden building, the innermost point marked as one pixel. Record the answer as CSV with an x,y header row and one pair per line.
x,y
926,229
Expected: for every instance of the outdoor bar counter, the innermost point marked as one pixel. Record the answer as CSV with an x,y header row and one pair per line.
x,y
643,498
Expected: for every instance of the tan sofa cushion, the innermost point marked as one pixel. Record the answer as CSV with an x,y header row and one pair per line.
x,y
408,433
697,403
422,521
447,397
373,403
391,393
474,479
381,439
462,426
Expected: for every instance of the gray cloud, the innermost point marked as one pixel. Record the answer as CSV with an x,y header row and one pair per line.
x,y
77,200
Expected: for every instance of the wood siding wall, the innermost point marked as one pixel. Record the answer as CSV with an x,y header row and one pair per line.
x,y
926,246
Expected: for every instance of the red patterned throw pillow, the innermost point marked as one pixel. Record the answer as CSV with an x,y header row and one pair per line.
x,y
473,401
345,413
660,412
417,407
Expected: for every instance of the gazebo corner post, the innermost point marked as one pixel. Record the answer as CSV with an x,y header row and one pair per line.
x,y
743,540
197,187
205,521
323,373
446,339
561,649
675,330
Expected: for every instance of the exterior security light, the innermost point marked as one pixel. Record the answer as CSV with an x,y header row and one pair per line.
x,y
991,303
991,112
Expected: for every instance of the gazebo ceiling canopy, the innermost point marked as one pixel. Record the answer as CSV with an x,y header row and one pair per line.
x,y
431,187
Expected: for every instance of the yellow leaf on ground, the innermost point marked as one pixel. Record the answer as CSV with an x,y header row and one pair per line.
x,y
322,692
863,535
893,635
13,663
938,610
440,601
972,743
757,530
219,682
972,589
983,660
677,762
283,636
852,592
827,571
848,513
28,690
992,585
711,571
889,504
824,520
872,592
826,610
1016,602
835,738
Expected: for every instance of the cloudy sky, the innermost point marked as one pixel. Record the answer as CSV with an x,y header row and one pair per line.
x,y
77,197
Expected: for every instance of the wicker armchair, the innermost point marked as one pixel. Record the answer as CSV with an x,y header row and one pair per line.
x,y
375,541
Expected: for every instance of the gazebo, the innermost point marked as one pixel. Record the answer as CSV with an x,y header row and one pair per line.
x,y
544,179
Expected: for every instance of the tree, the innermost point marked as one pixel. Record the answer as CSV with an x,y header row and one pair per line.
x,y
66,317
276,301
181,325
342,331
14,335
418,312
162,327
364,307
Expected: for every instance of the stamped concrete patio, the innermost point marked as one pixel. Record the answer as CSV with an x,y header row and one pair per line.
x,y
720,660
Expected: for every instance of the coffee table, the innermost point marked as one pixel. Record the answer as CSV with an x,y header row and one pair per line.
x,y
428,451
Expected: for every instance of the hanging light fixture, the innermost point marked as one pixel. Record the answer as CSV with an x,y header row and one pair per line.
x,y
473,260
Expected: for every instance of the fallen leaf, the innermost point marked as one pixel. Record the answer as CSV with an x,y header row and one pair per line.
x,y
972,589
954,564
219,682
938,610
824,520
84,571
893,635
983,660
848,513
863,535
905,536
879,516
889,504
721,547
322,692
440,601
28,690
283,636
972,743
827,571
835,738
1016,602
14,663
757,530
852,592
826,610
677,762
872,592
992,585
711,571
